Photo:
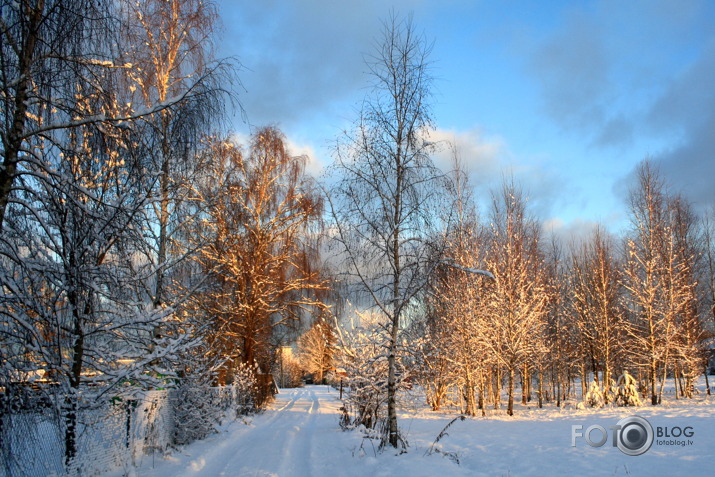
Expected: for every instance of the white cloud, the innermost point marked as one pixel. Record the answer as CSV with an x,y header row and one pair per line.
x,y
315,164
489,161
483,156
574,232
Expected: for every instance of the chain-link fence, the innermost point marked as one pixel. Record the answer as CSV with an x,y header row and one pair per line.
x,y
31,444
114,434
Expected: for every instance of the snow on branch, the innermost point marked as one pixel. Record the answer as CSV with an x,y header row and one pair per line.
x,y
474,271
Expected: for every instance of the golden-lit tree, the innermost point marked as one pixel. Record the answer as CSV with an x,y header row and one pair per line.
x,y
681,253
597,303
169,45
316,348
659,277
454,353
642,274
260,250
516,303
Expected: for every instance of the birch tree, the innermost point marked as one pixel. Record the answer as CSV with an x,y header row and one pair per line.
x,y
658,276
72,305
387,192
455,332
169,45
709,266
641,276
45,47
597,302
516,305
681,254
562,350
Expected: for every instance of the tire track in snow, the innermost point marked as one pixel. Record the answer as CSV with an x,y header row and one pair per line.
x,y
288,439
295,460
280,442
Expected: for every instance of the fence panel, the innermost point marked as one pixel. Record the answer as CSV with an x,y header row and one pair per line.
x,y
112,435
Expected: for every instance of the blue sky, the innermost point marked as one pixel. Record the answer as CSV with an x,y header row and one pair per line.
x,y
566,96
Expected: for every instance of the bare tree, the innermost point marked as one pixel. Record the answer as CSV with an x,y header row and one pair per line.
x,y
642,276
45,46
385,200
709,257
597,302
560,332
516,304
457,333
707,274
316,348
72,305
681,254
75,189
169,46
436,369
454,337
658,276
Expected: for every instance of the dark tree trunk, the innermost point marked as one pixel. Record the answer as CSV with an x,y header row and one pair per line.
x,y
510,406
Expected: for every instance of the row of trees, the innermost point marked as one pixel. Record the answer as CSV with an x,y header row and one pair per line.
x,y
594,312
601,308
412,249
140,245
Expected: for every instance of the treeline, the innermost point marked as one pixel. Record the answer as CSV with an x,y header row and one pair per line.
x,y
141,246
509,310
556,314
453,301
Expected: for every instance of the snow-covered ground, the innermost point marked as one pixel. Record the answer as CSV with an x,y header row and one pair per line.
x,y
299,436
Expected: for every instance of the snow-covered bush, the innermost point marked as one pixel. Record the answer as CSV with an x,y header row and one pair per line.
x,y
594,397
627,391
243,389
197,410
361,356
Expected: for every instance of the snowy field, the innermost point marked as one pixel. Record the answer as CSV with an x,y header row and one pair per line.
x,y
299,436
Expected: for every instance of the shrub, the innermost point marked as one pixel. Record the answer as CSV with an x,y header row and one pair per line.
x,y
627,391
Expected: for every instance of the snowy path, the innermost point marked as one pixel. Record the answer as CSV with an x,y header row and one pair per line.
x,y
292,437
290,428
299,436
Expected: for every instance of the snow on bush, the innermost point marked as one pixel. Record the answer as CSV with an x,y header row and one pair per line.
x,y
199,408
595,397
197,411
627,391
362,355
243,390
